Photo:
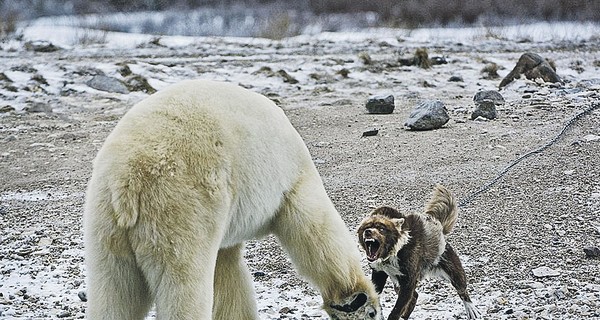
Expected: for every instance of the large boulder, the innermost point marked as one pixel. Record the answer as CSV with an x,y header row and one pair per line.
x,y
533,66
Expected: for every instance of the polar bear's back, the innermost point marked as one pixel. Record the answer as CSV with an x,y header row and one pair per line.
x,y
202,143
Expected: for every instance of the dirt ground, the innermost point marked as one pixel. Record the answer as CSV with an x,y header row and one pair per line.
x,y
542,213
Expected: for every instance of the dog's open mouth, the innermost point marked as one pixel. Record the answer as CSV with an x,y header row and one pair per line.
x,y
372,249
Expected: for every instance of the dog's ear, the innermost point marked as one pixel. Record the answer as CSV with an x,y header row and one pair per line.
x,y
398,223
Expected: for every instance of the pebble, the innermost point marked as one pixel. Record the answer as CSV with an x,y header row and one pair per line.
x,y
370,133
591,137
38,107
543,272
592,252
82,296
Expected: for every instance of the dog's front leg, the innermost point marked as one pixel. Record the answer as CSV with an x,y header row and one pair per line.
x,y
404,306
379,278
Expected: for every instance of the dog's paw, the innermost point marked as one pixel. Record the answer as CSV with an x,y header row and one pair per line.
x,y
472,311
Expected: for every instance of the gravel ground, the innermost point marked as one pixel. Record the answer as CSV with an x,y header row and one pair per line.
x,y
537,218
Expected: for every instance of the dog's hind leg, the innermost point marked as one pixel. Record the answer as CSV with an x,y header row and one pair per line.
x,y
453,270
411,306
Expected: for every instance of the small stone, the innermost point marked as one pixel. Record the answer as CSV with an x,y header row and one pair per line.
x,y
82,296
38,107
543,272
7,108
428,115
438,60
287,77
370,133
485,109
591,137
592,252
456,79
139,83
64,314
40,46
381,104
44,242
489,95
286,310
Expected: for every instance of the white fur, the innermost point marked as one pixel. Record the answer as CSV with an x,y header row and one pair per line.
x,y
183,180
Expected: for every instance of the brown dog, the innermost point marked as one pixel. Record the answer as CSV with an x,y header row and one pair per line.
x,y
406,248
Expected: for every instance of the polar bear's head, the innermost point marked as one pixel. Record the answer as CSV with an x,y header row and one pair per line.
x,y
355,307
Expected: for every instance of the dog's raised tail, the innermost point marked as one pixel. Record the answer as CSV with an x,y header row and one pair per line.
x,y
442,207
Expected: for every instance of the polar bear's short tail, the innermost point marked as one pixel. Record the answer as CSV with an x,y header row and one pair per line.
x,y
126,206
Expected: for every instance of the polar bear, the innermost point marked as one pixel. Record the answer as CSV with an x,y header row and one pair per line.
x,y
182,181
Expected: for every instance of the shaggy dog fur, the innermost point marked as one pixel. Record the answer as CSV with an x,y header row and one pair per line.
x,y
186,177
408,247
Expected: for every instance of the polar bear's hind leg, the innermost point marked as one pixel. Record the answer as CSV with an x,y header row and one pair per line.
x,y
231,272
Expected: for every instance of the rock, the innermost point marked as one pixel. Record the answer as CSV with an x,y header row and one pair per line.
x,y
259,274
7,108
44,242
591,137
421,59
38,107
485,109
40,46
139,83
428,115
456,79
286,310
592,252
382,104
108,84
370,133
4,78
489,95
343,72
82,296
543,272
286,77
533,66
438,60
490,71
